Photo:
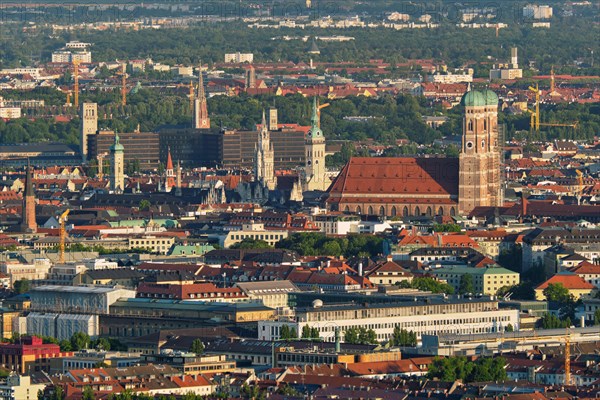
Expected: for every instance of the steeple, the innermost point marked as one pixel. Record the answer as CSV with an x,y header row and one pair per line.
x,y
315,175
117,180
201,119
169,172
264,158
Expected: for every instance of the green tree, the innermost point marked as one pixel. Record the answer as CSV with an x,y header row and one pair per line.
x,y
557,292
88,393
509,328
144,205
65,345
446,228
288,333
197,347
80,340
249,243
428,284
597,317
551,321
360,335
466,284
402,337
102,344
22,286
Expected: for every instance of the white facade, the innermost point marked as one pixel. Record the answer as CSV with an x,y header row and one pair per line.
x,y
535,11
239,58
10,112
254,231
34,72
62,326
19,387
455,317
450,78
68,57
84,299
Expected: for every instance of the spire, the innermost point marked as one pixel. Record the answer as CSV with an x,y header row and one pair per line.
x,y
315,114
264,126
169,160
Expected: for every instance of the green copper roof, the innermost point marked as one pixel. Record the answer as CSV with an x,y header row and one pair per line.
x,y
473,98
491,98
117,146
314,129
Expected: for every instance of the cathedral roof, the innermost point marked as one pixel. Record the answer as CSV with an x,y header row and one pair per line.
x,y
491,98
404,177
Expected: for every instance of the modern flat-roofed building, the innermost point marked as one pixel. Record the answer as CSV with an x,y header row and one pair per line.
x,y
424,316
83,299
239,148
192,147
139,146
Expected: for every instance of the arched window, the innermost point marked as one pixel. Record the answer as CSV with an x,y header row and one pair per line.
x,y
441,211
405,211
470,125
393,211
358,210
346,209
382,211
417,211
452,211
428,212
370,210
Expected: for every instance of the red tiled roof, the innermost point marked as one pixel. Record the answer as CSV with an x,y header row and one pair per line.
x,y
403,177
569,281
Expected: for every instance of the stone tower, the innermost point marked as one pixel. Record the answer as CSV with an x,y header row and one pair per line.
x,y
315,175
89,126
201,119
264,157
28,224
479,160
117,179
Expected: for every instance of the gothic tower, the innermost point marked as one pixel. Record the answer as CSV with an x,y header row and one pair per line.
x,y
315,175
28,224
264,157
117,179
201,119
479,160
169,173
89,126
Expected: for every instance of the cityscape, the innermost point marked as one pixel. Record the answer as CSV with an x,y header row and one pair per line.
x,y
298,200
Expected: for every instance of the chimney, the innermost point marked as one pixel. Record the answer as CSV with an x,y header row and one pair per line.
x,y
360,269
389,258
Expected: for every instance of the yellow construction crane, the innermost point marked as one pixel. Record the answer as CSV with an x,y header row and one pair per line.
x,y
319,107
192,96
534,121
579,185
100,158
123,74
63,235
535,116
568,357
76,80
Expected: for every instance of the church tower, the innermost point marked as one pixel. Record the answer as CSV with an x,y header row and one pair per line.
x,y
29,224
479,160
264,157
117,179
89,126
201,119
169,173
315,176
